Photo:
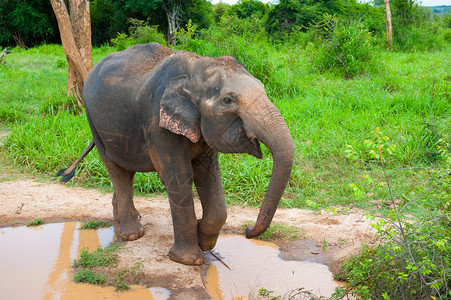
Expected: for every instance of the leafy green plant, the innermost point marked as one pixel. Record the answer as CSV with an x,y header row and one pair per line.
x,y
88,276
267,294
124,274
99,258
410,258
140,32
347,49
95,224
35,222
122,41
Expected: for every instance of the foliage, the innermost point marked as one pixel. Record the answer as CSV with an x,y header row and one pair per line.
x,y
35,222
140,32
219,10
99,258
88,276
200,13
120,280
410,259
248,8
409,101
27,23
94,224
102,21
102,258
289,13
347,48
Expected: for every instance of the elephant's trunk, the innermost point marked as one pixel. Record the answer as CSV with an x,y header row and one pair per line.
x,y
267,124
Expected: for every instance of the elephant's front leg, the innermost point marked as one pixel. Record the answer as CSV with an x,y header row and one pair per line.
x,y
178,179
207,179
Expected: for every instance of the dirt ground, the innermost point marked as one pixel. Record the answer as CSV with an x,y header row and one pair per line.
x,y
22,200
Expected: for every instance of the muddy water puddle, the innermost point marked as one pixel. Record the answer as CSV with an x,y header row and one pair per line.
x,y
35,263
250,265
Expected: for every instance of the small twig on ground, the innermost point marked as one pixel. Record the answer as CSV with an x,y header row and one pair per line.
x,y
220,260
19,208
3,54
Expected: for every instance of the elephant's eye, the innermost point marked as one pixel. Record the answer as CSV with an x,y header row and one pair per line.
x,y
227,100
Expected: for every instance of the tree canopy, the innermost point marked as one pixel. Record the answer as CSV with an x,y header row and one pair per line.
x,y
32,22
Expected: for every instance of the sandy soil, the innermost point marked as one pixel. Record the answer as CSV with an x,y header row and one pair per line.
x,y
21,200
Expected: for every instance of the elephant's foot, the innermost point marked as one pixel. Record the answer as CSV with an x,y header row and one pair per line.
x,y
187,255
131,230
207,242
207,235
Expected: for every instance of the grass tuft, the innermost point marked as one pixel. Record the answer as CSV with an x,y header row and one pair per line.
x,y
94,224
278,231
88,276
35,222
99,258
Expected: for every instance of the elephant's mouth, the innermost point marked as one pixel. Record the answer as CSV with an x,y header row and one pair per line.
x,y
254,145
256,150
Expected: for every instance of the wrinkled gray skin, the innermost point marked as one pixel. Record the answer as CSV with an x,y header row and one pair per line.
x,y
152,109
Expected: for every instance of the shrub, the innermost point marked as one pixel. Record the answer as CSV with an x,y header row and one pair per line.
x,y
140,32
410,259
347,49
428,37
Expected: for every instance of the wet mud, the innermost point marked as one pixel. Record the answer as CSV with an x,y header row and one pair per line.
x,y
36,263
250,265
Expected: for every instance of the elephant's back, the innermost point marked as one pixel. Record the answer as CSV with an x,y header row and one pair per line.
x,y
135,62
123,72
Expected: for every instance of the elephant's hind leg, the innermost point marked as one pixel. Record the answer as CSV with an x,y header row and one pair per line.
x,y
124,210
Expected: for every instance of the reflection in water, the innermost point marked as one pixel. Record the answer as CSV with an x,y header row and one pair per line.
x,y
255,264
35,264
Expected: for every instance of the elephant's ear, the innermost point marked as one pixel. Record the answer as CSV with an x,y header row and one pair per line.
x,y
177,112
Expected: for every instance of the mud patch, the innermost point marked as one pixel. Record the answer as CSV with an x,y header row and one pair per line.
x,y
37,261
56,202
250,265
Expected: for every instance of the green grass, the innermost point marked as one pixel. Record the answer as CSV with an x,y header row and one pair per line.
x,y
99,266
99,258
407,95
35,222
88,276
278,231
94,224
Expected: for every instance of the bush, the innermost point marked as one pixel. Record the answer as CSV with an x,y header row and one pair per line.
x,y
140,32
410,259
424,38
347,49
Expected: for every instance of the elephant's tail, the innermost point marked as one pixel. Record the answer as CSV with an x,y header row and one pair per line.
x,y
69,172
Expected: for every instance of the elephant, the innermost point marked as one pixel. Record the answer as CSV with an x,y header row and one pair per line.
x,y
153,109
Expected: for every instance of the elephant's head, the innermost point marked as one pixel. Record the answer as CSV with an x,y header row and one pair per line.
x,y
217,99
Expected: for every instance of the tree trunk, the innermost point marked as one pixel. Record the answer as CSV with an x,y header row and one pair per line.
x,y
388,25
174,18
75,34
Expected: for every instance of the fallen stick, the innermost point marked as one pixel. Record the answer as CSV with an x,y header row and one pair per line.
x,y
3,54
